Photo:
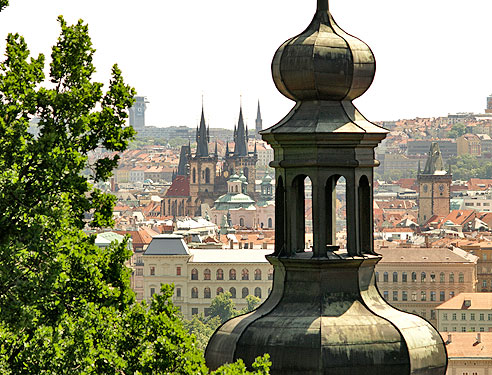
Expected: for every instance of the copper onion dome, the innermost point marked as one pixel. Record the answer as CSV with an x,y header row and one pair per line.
x,y
323,62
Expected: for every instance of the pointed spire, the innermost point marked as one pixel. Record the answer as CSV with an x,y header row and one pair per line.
x,y
434,162
418,170
254,153
183,160
241,145
202,137
227,149
258,122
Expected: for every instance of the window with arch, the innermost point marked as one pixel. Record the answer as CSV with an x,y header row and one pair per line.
x,y
244,274
194,292
385,277
241,222
207,175
206,292
220,290
233,292
244,292
270,274
403,277
414,276
451,277
257,274
235,189
422,277
395,277
194,274
270,222
433,277
220,274
206,274
441,277
232,274
461,277
258,292
194,175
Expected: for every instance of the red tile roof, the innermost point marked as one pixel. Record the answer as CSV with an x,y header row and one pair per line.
x,y
180,187
468,344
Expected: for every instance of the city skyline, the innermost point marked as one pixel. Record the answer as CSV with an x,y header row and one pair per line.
x,y
431,57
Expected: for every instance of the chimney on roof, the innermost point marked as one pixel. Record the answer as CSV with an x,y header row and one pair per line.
x,y
449,340
479,338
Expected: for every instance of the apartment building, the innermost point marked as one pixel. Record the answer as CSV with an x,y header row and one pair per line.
x,y
201,274
417,280
466,312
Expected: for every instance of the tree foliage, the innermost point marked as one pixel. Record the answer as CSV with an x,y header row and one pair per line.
x,y
223,307
465,167
66,306
457,130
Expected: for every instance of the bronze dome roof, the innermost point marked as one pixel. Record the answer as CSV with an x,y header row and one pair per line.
x,y
323,62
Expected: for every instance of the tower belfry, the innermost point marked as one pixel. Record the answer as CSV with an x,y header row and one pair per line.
x,y
434,186
325,314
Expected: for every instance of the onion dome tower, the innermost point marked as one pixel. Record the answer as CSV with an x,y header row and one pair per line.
x,y
325,314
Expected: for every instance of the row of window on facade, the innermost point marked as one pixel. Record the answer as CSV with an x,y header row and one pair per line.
x,y
208,294
467,329
465,316
219,274
423,277
423,314
414,295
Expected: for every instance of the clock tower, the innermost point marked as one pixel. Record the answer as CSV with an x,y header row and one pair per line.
x,y
434,186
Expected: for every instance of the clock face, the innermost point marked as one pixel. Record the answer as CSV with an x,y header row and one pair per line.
x,y
426,188
441,188
226,174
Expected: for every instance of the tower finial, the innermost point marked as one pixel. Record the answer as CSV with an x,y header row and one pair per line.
x,y
323,5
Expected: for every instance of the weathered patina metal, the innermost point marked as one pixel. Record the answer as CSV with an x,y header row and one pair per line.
x,y
325,314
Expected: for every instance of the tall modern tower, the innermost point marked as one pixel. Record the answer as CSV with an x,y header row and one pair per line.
x,y
325,314
137,112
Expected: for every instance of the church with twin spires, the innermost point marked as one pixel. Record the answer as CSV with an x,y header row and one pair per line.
x,y
202,176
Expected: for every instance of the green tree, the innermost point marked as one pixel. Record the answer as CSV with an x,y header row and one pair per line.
x,y
203,328
66,306
3,4
457,130
252,302
260,367
223,307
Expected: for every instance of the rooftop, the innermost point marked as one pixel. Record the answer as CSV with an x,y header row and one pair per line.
x,y
228,256
425,255
474,301
468,344
167,244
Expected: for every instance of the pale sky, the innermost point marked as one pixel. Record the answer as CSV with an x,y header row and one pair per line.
x,y
433,57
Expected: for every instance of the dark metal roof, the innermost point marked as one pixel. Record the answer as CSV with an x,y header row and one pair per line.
x,y
167,244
